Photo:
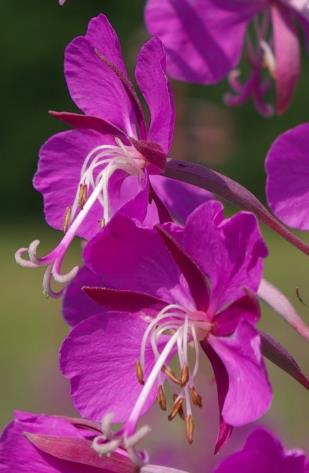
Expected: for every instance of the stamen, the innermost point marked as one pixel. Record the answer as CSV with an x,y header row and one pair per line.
x,y
82,196
195,397
163,314
67,219
171,375
109,159
180,411
189,428
139,372
178,405
184,375
161,398
268,58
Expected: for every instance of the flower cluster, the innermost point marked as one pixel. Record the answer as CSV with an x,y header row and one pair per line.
x,y
213,34
168,283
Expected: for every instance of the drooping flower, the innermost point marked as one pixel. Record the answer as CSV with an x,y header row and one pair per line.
x,y
39,443
109,162
206,38
165,291
264,453
287,168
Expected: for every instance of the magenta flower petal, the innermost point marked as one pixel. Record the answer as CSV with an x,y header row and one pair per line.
x,y
17,454
220,252
53,444
204,39
263,453
99,358
227,320
196,280
77,306
124,301
140,263
249,393
94,83
77,120
103,37
179,198
287,54
58,176
151,78
222,383
287,187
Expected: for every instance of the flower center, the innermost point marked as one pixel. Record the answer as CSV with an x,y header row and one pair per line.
x,y
98,168
179,329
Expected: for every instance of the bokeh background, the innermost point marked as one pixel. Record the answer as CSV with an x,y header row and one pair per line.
x,y
33,34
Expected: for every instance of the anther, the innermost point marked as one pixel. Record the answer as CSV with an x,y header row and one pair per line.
x,y
139,372
195,397
67,219
180,411
176,408
101,223
161,398
171,375
82,196
189,428
184,377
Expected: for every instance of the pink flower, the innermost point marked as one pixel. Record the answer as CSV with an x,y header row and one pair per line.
x,y
287,168
39,443
164,291
263,453
205,39
109,162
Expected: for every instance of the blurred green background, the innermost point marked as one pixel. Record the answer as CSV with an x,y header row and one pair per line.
x,y
235,141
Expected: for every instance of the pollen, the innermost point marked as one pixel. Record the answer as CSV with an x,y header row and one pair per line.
x,y
177,406
139,372
67,219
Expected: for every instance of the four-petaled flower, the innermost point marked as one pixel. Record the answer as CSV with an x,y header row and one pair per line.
x,y
109,162
166,290
204,40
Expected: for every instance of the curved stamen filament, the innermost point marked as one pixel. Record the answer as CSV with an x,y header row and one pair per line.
x,y
144,394
111,158
163,314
